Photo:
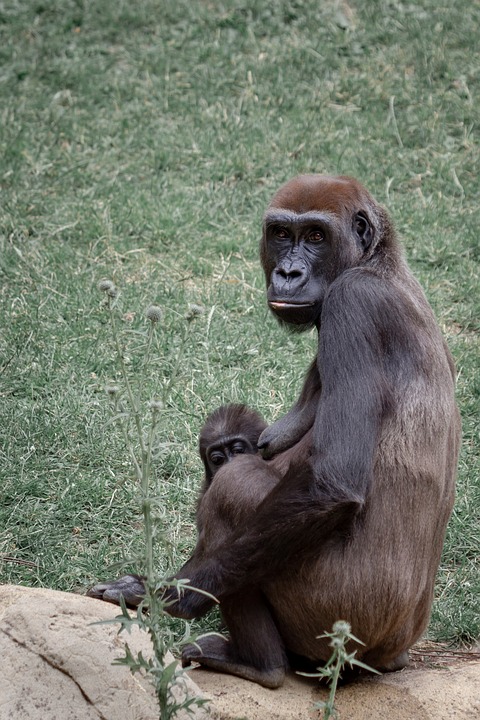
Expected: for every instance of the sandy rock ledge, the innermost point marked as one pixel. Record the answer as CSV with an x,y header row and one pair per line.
x,y
56,665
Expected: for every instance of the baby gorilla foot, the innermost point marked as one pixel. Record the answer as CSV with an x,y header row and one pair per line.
x,y
216,653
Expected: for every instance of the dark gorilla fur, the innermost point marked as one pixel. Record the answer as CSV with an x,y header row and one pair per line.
x,y
344,516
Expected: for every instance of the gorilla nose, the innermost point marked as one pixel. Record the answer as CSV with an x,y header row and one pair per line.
x,y
290,278
289,274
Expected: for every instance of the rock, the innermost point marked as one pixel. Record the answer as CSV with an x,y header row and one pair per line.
x,y
56,665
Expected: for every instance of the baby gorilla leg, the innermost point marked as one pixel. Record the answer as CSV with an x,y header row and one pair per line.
x,y
254,649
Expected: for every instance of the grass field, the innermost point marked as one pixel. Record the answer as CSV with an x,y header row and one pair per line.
x,y
141,142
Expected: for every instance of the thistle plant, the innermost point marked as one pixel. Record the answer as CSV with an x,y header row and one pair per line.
x,y
139,436
332,670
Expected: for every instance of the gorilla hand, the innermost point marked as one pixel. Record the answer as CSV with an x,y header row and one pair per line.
x,y
130,587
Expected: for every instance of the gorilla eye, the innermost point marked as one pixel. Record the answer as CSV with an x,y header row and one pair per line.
x,y
217,458
281,233
238,449
316,236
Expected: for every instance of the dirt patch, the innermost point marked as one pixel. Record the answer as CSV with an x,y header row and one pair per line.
x,y
440,684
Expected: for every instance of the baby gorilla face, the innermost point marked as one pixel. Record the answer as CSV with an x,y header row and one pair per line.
x,y
221,453
228,431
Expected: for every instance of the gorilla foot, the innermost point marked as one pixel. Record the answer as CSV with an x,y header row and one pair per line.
x,y
216,653
397,663
131,587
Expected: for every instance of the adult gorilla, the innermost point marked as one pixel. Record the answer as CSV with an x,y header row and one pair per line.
x,y
344,516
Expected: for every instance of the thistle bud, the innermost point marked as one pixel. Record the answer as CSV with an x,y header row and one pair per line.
x,y
341,628
108,287
194,311
154,313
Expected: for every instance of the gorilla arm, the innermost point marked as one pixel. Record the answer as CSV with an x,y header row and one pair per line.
x,y
321,498
289,429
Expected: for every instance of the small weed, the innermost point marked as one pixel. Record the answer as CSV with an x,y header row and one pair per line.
x,y
339,659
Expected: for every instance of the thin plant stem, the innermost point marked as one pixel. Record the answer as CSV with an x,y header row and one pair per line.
x,y
128,387
128,444
176,367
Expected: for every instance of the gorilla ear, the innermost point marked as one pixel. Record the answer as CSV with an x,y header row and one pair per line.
x,y
363,230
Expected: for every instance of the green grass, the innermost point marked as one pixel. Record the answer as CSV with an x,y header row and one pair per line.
x,y
141,142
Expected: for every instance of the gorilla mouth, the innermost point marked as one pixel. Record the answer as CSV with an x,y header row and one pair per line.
x,y
282,305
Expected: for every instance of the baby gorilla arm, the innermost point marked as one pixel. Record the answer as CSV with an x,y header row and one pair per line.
x,y
130,587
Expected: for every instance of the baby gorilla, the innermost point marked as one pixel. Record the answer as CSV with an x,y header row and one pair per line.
x,y
229,431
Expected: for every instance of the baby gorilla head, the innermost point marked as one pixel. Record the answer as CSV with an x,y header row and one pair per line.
x,y
229,431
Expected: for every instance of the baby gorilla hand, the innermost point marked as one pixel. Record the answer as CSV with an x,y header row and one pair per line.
x,y
181,601
131,587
